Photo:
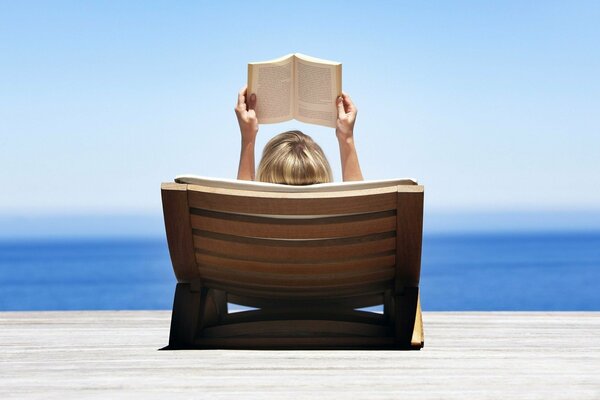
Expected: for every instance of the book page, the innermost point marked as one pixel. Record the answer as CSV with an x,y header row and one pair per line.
x,y
318,83
273,85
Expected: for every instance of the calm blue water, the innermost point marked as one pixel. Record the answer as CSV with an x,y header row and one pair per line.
x,y
459,272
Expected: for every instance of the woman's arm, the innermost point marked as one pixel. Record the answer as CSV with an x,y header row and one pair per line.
x,y
345,134
248,128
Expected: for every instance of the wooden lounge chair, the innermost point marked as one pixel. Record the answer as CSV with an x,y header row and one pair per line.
x,y
306,258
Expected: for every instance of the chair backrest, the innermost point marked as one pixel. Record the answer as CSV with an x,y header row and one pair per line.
x,y
264,241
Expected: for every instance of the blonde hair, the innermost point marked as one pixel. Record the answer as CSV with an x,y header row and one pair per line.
x,y
293,158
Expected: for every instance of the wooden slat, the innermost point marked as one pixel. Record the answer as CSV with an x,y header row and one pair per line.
x,y
292,294
299,251
179,231
346,342
350,202
352,266
296,328
323,313
307,282
333,227
359,301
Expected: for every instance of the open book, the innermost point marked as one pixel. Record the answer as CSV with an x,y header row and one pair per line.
x,y
296,86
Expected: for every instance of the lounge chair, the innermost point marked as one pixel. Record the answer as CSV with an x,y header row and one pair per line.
x,y
307,260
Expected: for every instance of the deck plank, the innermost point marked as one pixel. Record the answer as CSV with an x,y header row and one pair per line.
x,y
114,354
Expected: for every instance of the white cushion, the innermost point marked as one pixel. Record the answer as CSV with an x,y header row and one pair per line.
x,y
275,187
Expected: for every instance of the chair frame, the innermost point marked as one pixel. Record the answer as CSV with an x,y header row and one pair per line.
x,y
293,319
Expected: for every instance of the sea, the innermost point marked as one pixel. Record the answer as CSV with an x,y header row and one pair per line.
x,y
557,271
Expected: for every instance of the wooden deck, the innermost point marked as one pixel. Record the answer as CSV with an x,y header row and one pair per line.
x,y
467,355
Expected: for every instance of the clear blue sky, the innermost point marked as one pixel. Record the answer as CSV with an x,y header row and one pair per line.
x,y
493,106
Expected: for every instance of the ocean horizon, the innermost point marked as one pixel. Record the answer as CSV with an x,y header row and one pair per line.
x,y
507,271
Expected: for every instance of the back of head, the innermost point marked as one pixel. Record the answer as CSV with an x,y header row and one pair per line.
x,y
293,158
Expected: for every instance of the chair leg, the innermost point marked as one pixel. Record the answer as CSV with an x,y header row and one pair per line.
x,y
388,306
418,336
214,308
405,309
185,319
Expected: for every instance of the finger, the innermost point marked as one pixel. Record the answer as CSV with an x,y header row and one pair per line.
x,y
349,105
346,97
340,107
252,102
241,102
242,97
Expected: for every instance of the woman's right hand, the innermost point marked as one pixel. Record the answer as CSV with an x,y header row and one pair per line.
x,y
246,116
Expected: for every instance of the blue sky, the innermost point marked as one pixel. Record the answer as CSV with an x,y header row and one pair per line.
x,y
493,106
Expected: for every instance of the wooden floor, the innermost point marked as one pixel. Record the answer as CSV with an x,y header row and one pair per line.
x,y
467,355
